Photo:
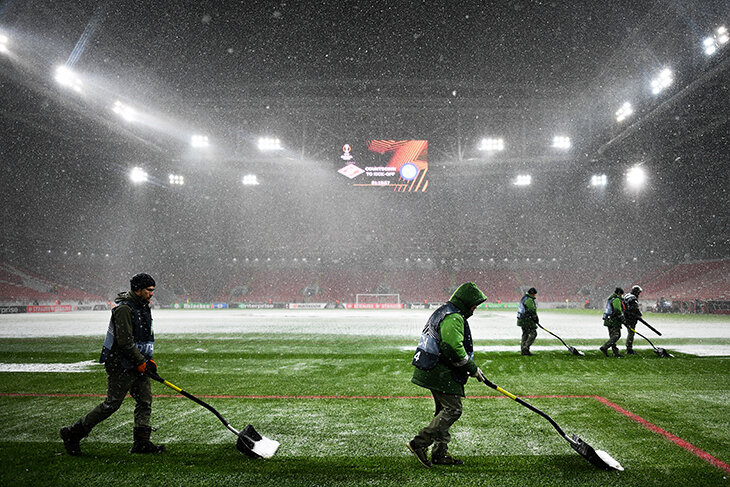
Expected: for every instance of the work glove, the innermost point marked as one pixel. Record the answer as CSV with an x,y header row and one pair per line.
x,y
479,375
148,367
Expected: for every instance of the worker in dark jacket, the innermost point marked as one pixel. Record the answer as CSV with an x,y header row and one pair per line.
x,y
632,312
444,361
127,356
527,320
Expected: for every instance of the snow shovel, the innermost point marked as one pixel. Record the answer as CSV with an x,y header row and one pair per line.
x,y
573,350
650,327
597,458
250,442
657,350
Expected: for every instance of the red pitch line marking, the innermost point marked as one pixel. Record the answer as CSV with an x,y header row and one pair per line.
x,y
648,425
673,438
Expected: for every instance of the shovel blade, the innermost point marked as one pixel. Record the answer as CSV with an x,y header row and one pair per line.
x,y
253,445
599,458
662,352
577,352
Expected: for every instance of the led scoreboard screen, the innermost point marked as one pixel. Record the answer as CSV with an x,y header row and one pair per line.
x,y
395,165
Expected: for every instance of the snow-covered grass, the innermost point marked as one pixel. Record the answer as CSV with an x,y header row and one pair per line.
x,y
356,433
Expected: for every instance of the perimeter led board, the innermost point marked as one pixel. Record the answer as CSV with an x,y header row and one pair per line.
x,y
388,165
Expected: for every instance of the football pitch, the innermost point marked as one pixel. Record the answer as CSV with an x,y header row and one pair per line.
x,y
333,387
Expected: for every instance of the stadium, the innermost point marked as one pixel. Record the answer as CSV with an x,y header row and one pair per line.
x,y
308,183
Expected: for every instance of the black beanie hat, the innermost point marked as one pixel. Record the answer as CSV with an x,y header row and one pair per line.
x,y
141,281
618,290
532,290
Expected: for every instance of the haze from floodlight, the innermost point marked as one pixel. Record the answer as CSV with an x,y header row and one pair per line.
x,y
65,77
138,175
636,177
4,44
599,180
199,141
662,81
124,111
624,112
561,142
492,145
176,180
523,180
250,180
269,144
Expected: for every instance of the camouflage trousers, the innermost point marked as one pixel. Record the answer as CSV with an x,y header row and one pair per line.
x,y
448,410
528,338
630,327
119,383
614,334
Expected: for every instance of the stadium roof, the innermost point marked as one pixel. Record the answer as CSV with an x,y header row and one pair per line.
x,y
315,75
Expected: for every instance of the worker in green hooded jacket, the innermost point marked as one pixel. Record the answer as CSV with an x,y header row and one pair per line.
x,y
444,360
613,319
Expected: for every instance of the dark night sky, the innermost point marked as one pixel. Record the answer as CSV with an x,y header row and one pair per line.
x,y
318,73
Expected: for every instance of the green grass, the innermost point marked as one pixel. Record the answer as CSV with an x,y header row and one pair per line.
x,y
346,441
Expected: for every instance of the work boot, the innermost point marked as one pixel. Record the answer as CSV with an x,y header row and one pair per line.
x,y
445,459
617,354
527,353
604,351
630,351
72,436
142,443
420,453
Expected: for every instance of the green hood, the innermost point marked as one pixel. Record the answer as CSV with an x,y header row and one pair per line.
x,y
466,296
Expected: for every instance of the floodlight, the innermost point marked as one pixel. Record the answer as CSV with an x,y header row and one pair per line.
x,y
491,145
66,78
636,177
199,141
176,180
269,144
721,35
599,180
126,112
662,81
4,44
624,112
561,142
250,180
523,180
138,175
718,39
